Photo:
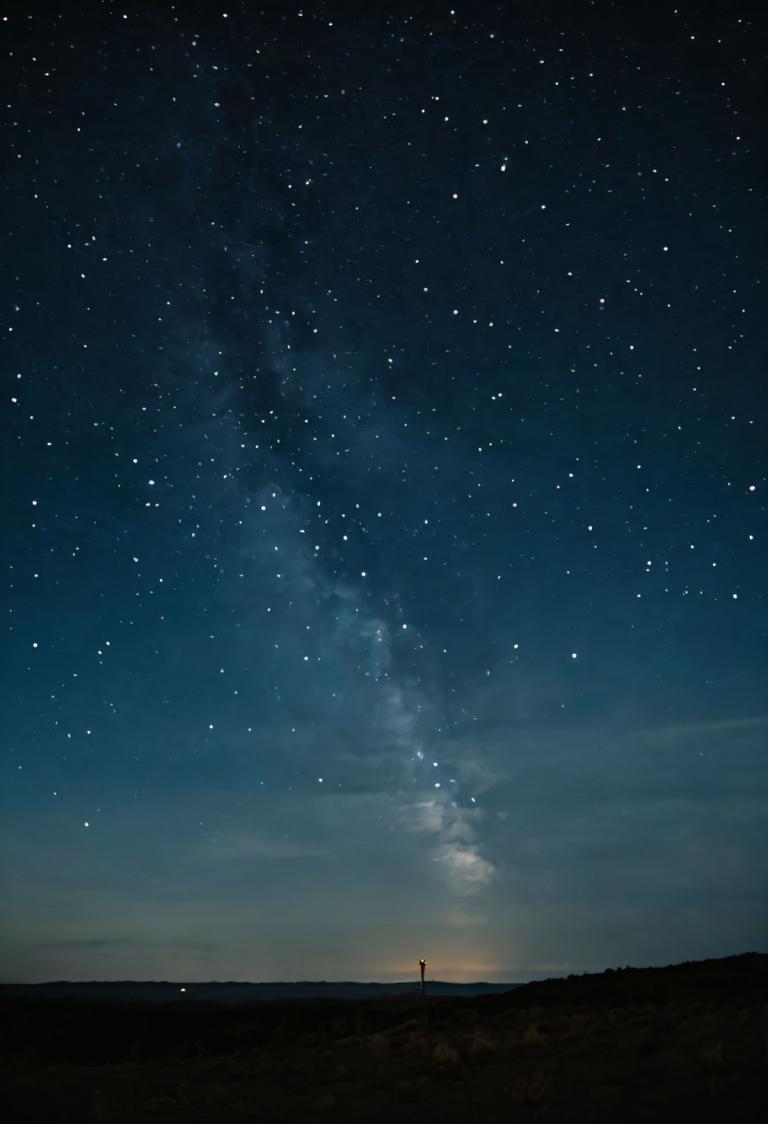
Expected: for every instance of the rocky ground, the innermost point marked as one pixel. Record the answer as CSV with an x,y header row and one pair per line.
x,y
686,1043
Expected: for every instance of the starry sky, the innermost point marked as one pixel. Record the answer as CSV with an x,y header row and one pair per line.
x,y
385,419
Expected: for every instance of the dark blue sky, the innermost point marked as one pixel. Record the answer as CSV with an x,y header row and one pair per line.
x,y
384,417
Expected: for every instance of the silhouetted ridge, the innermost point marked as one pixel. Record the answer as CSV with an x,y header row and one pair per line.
x,y
731,978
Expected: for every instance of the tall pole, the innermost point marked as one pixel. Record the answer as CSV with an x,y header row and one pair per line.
x,y
422,966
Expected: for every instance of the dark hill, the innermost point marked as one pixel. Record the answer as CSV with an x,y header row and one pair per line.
x,y
164,991
731,979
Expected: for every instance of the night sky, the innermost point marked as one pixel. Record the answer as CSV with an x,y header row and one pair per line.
x,y
384,416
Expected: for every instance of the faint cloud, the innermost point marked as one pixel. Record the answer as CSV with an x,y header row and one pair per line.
x,y
704,728
93,943
107,944
263,847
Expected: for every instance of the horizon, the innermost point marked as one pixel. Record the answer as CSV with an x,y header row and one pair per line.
x,y
386,432
533,976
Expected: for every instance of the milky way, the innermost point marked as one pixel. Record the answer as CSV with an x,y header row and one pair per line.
x,y
385,420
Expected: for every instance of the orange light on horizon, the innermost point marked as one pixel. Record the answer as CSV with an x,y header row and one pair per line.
x,y
449,973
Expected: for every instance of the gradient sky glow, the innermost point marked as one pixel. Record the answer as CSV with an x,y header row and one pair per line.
x,y
385,419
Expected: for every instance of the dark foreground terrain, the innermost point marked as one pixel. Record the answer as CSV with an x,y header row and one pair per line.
x,y
685,1043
